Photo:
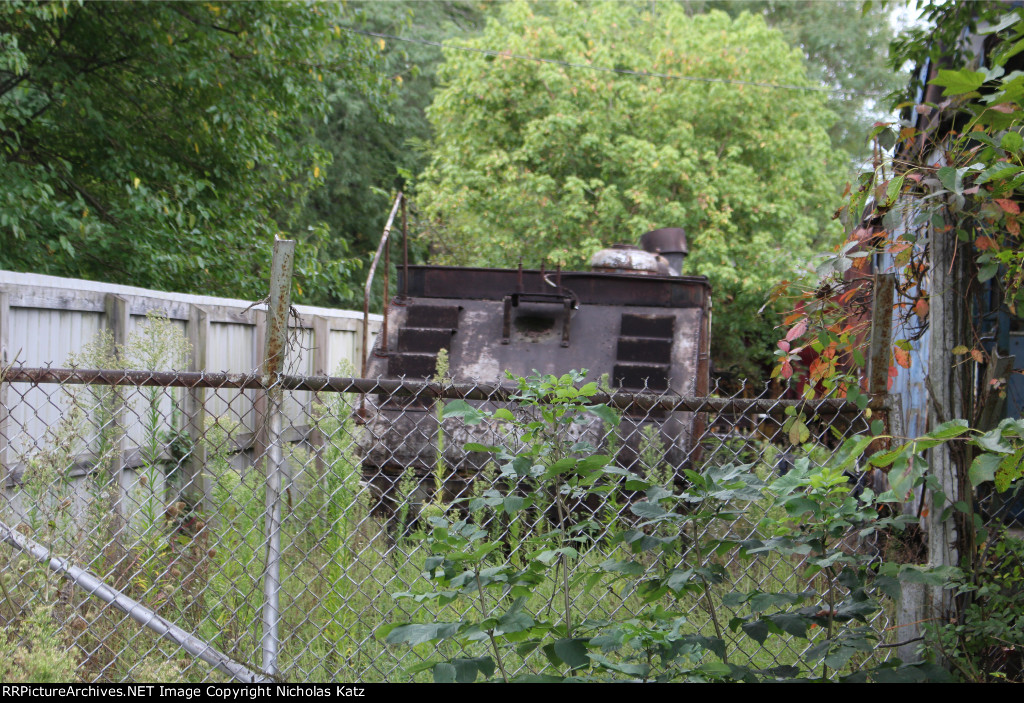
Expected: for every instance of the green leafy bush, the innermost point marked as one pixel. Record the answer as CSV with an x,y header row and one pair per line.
x,y
672,552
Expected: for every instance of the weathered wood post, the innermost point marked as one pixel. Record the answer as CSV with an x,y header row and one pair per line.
x,y
948,382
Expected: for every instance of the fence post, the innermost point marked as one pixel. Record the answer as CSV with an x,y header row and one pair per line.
x,y
196,486
115,310
948,320
881,333
5,359
273,365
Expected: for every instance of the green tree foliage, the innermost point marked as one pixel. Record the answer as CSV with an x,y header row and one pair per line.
x,y
548,162
164,144
846,46
374,154
958,173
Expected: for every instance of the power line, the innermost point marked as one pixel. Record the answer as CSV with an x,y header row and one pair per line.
x,y
607,69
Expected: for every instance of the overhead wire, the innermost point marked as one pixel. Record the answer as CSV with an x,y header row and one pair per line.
x,y
608,69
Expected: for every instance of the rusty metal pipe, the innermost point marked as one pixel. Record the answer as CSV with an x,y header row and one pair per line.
x,y
369,283
476,391
276,352
95,586
405,251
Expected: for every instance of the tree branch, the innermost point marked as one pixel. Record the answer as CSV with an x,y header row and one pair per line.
x,y
211,25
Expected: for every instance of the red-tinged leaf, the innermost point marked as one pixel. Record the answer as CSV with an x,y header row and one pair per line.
x,y
1008,206
915,177
793,317
797,330
985,243
1013,226
1004,107
978,356
845,297
784,345
921,308
925,511
818,369
787,369
902,357
972,191
898,246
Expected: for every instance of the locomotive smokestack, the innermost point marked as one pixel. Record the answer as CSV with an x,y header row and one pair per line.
x,y
669,242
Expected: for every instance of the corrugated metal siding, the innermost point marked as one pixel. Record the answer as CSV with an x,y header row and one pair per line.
x,y
231,347
34,335
298,406
910,383
51,318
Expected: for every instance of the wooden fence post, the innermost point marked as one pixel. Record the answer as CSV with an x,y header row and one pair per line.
x,y
948,319
880,350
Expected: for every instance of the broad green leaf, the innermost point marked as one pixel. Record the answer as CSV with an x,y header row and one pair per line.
x,y
757,629
466,669
462,409
679,579
475,447
715,669
647,510
893,190
419,633
983,468
610,417
959,82
627,567
560,467
792,623
760,602
1012,141
504,414
573,652
444,672
713,644
593,463
513,504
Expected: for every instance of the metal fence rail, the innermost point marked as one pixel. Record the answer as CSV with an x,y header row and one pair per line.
x,y
178,520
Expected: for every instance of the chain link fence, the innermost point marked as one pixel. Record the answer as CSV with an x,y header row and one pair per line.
x,y
141,509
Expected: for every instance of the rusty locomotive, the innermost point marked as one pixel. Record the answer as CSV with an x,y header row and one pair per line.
x,y
632,320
